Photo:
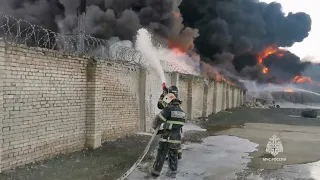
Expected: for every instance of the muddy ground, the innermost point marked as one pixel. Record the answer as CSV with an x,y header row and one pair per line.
x,y
299,136
107,162
238,117
114,158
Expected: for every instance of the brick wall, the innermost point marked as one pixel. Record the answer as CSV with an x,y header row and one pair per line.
x,y
54,103
119,111
153,91
44,105
2,84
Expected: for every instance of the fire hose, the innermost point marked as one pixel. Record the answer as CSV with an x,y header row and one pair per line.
x,y
146,150
135,165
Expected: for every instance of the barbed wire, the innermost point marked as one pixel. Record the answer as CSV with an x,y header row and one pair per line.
x,y
21,32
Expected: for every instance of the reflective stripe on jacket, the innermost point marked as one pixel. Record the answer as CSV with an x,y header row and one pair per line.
x,y
173,118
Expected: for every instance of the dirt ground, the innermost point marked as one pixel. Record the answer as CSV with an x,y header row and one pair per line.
x,y
113,159
108,163
239,116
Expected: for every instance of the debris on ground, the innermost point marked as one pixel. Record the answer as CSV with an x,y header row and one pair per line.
x,y
256,104
309,113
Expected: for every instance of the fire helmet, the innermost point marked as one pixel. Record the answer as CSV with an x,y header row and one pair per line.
x,y
174,90
168,98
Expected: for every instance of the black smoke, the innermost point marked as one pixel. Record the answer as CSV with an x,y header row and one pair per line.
x,y
285,67
244,28
277,64
45,13
40,13
122,18
226,33
105,18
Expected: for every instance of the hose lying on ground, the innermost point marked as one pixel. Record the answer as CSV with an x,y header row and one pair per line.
x,y
134,166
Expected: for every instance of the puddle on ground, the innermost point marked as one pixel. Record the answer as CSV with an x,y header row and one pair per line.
x,y
218,157
222,157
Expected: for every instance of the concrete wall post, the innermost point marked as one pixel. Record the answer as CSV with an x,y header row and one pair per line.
x,y
93,132
175,79
227,90
215,97
224,97
189,97
142,99
205,98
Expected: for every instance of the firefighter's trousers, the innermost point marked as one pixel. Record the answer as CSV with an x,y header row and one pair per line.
x,y
165,149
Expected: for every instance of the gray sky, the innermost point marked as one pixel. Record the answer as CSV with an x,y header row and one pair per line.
x,y
309,47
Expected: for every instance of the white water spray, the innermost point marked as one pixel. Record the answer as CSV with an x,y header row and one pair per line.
x,y
144,45
282,88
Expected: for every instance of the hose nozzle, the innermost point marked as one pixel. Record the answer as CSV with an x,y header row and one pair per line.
x,y
165,89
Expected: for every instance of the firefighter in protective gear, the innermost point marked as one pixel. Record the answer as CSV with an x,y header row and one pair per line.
x,y
170,120
174,90
171,89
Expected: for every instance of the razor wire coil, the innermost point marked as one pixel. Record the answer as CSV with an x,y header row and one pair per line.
x,y
15,32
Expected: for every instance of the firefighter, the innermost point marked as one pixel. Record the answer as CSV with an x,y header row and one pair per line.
x,y
170,121
172,89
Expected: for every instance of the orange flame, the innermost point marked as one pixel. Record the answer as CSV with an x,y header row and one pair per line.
x,y
288,90
182,49
267,52
178,51
219,77
265,70
176,14
302,79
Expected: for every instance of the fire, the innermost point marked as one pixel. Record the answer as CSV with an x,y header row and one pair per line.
x,y
265,70
288,90
176,14
302,79
178,51
267,52
219,77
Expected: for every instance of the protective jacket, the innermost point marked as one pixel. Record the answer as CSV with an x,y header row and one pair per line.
x,y
173,119
160,102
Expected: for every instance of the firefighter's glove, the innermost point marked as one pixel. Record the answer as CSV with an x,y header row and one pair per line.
x,y
165,91
161,127
160,132
166,126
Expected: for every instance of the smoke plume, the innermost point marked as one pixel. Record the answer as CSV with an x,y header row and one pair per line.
x,y
244,28
228,34
40,12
